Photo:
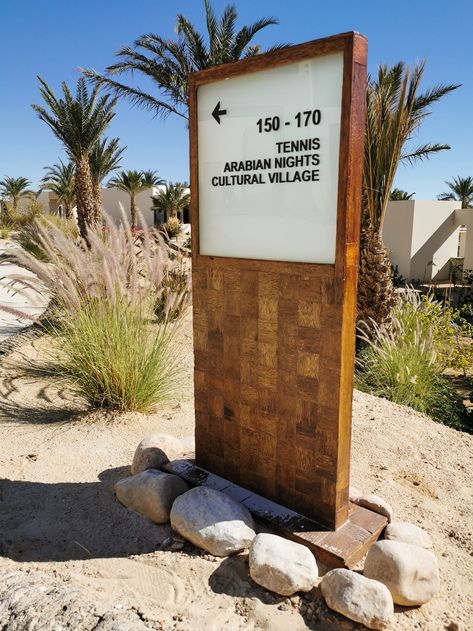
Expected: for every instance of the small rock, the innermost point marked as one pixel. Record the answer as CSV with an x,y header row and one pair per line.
x,y
354,492
408,533
282,566
188,446
154,451
376,504
358,598
409,572
151,493
211,520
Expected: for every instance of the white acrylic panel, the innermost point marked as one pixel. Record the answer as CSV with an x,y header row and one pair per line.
x,y
285,221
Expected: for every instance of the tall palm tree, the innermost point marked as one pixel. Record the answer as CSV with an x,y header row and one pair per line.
x,y
397,195
168,62
104,158
133,182
13,189
461,189
60,180
78,121
396,108
172,199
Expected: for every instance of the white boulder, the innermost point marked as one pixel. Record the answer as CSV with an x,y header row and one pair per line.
x,y
282,566
358,598
150,493
154,451
374,503
408,533
212,521
410,572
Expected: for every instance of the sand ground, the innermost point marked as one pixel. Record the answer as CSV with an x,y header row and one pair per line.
x,y
58,515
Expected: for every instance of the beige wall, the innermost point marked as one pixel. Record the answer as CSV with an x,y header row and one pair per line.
x,y
114,200
422,237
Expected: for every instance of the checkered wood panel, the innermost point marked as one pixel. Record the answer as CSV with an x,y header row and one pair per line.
x,y
267,381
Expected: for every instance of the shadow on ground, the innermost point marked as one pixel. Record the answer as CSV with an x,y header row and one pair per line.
x,y
67,521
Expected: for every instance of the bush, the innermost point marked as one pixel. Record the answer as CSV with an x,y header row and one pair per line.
x,y
114,359
105,293
30,235
4,232
172,227
174,295
403,363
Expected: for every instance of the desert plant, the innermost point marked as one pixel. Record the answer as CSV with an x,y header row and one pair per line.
x,y
104,158
78,121
395,111
172,227
168,62
13,189
175,283
172,199
397,195
60,180
114,358
4,232
133,182
404,362
461,189
29,237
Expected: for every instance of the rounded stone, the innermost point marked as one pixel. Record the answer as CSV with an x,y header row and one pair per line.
x,y
358,598
408,533
151,493
410,572
154,451
376,504
282,566
213,521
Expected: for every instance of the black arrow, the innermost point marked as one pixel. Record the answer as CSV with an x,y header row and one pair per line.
x,y
218,112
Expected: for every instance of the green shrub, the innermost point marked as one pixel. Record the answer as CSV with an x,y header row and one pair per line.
x,y
402,364
30,235
4,232
114,359
174,295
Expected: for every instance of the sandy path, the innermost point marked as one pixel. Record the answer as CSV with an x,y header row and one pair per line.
x,y
58,514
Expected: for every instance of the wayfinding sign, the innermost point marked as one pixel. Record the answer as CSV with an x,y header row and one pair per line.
x,y
276,147
268,162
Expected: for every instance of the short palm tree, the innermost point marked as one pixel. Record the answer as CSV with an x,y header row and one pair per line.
x,y
397,195
395,110
60,180
13,189
172,199
133,182
78,121
168,62
104,158
461,189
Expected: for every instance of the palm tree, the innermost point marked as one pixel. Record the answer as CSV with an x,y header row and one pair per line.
x,y
13,189
168,62
395,110
172,199
78,122
461,189
133,182
60,180
397,195
103,159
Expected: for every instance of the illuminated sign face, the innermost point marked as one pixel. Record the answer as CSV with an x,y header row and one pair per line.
x,y
268,151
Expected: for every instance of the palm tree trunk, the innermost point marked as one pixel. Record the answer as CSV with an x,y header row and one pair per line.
x,y
132,210
376,296
86,206
98,202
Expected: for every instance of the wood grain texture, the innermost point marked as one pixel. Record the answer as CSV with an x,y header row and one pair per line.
x,y
274,341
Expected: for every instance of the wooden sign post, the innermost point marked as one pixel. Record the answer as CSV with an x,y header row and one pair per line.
x,y
276,150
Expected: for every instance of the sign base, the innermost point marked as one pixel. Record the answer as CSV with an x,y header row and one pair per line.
x,y
343,547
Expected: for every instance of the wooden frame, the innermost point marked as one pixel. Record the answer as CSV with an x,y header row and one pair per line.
x,y
274,341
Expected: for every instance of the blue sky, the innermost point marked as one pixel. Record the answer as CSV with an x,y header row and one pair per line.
x,y
53,38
